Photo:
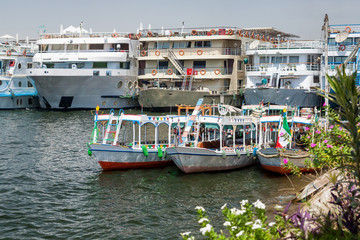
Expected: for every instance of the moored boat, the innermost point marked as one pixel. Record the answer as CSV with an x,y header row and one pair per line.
x,y
214,143
130,141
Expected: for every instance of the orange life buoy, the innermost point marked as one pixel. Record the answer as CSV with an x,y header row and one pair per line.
x,y
8,52
115,35
202,71
138,35
217,71
143,53
24,53
268,38
342,47
157,53
199,52
240,33
181,52
149,34
170,71
263,38
170,33
246,34
348,29
258,36
154,72
212,31
194,32
230,32
252,35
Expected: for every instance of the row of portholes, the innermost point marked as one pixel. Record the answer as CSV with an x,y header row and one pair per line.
x,y
130,84
130,101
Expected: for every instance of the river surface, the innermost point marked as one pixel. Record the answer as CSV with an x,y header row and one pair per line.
x,y
51,189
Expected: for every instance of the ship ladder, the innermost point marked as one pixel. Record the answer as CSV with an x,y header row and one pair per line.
x,y
111,128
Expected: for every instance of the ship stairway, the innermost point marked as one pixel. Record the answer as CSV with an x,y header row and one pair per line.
x,y
112,128
175,61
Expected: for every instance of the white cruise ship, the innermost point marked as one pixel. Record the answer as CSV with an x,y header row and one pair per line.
x,y
283,71
342,46
79,69
16,90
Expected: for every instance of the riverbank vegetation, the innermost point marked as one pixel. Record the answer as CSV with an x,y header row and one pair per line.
x,y
335,146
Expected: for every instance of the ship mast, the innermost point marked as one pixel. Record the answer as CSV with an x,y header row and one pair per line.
x,y
325,28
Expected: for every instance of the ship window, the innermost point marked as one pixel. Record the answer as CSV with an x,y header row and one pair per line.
x,y
130,85
19,83
29,65
0,82
124,46
80,65
120,84
30,84
199,64
108,73
278,59
49,65
82,46
182,44
125,65
72,47
96,46
264,59
348,41
57,47
316,79
30,101
100,65
162,45
96,73
293,59
331,40
43,48
163,65
19,66
202,44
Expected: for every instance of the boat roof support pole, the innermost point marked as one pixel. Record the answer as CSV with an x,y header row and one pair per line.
x,y
234,130
221,129
139,135
244,136
133,133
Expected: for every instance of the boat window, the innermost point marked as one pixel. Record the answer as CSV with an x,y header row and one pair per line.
x,y
199,64
72,47
130,84
96,73
331,40
43,48
29,65
182,44
108,73
124,46
49,65
19,66
82,46
264,59
57,47
162,45
293,59
0,82
125,65
278,59
96,46
80,65
316,79
348,41
120,84
202,44
29,84
30,101
19,83
100,65
163,65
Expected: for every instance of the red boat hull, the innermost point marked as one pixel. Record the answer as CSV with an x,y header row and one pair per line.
x,y
107,166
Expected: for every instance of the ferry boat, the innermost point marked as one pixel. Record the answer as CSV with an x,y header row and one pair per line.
x,y
16,91
79,69
127,141
283,71
214,143
179,66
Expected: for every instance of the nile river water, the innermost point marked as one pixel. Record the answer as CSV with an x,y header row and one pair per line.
x,y
51,189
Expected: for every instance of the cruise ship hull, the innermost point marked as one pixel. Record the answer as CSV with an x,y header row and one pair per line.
x,y
158,99
84,92
290,97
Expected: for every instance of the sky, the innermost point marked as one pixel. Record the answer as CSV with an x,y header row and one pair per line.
x,y
300,17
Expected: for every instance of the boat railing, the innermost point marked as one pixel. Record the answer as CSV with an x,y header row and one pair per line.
x,y
301,66
185,52
84,51
84,34
288,45
197,72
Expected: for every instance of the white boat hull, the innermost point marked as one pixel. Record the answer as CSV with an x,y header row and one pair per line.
x,y
190,159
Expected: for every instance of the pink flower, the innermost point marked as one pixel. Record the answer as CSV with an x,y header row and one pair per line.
x,y
313,145
281,134
325,141
309,116
308,137
324,104
318,131
285,161
331,126
339,136
341,147
340,128
307,128
329,146
358,124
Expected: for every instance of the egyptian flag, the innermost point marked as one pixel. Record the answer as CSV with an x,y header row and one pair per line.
x,y
284,136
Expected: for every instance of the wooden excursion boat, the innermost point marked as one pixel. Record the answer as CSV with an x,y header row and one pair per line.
x,y
129,141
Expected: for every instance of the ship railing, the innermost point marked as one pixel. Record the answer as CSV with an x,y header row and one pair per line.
x,y
85,34
213,90
180,32
333,66
289,45
337,47
306,66
197,72
83,51
186,52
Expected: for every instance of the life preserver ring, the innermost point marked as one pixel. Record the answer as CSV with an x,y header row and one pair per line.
x,y
170,33
212,31
252,35
202,71
138,35
199,52
154,72
130,35
230,32
170,71
342,47
8,52
258,36
263,38
240,33
149,34
115,35
217,71
348,29
246,34
194,32
47,36
143,53
157,53
24,53
181,52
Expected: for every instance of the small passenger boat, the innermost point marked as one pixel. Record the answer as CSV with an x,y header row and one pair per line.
x,y
129,141
214,143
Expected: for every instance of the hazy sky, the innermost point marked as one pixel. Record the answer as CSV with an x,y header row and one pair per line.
x,y
301,17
